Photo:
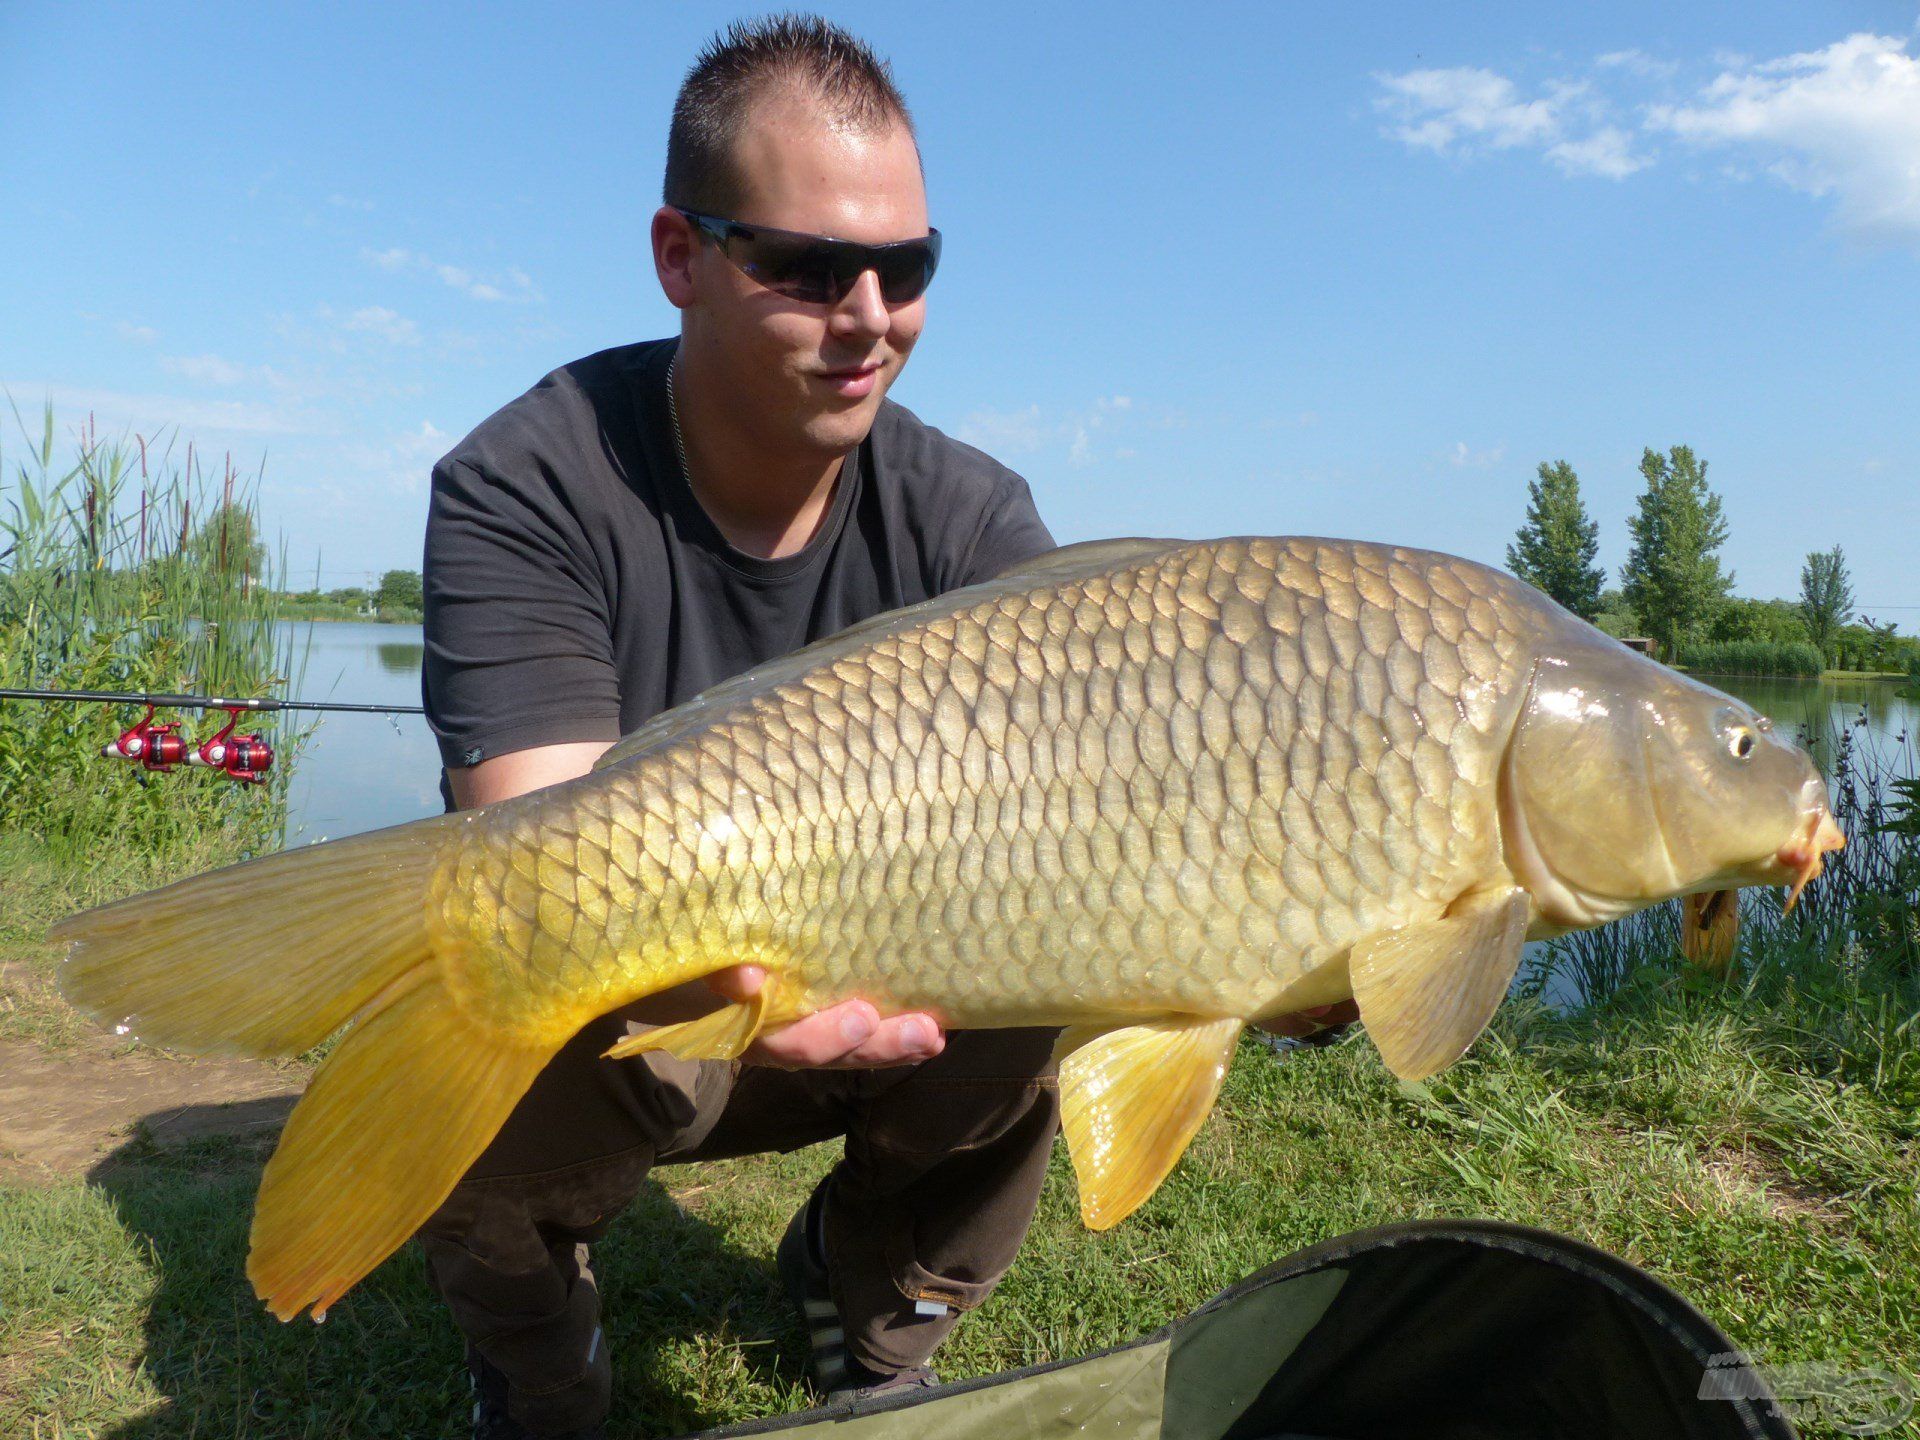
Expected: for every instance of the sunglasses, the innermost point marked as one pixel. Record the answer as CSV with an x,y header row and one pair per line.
x,y
819,269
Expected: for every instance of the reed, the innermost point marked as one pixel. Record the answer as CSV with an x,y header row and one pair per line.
x,y
129,564
1753,657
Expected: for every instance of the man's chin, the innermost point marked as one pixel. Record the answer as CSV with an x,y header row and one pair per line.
x,y
837,432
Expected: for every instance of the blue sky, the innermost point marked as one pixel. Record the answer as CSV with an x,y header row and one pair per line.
x,y
1302,268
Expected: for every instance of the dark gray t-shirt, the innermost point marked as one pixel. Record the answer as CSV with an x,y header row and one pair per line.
x,y
575,587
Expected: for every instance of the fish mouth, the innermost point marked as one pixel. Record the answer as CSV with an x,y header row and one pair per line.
x,y
1802,859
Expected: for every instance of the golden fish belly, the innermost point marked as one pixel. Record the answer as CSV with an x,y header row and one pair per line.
x,y
1186,785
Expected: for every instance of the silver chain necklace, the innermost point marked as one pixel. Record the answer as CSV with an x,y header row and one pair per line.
x,y
673,411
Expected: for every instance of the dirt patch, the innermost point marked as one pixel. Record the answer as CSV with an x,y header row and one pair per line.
x,y
1752,1175
62,1112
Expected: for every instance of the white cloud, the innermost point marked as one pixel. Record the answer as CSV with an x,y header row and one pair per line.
x,y
1441,110
138,334
1468,110
1841,122
401,463
1077,432
149,414
1466,458
204,369
1607,152
1007,431
512,284
349,202
1636,62
377,320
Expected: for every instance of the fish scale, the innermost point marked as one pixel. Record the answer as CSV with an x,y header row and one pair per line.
x,y
1035,808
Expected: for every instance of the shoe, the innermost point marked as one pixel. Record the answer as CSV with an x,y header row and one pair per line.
x,y
490,1418
803,1272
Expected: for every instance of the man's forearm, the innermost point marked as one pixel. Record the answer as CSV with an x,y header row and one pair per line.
x,y
505,776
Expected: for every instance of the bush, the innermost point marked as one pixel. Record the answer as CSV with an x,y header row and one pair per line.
x,y
1776,621
107,584
1752,657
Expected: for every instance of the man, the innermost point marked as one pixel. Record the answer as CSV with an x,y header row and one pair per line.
x,y
642,524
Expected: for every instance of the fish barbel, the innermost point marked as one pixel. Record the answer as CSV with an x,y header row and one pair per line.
x,y
1147,791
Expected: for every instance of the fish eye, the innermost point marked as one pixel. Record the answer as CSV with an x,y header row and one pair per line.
x,y
1740,743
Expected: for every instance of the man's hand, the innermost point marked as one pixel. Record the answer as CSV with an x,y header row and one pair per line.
x,y
1303,1023
847,1036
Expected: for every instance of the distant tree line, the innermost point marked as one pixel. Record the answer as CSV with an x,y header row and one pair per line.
x,y
1675,590
397,598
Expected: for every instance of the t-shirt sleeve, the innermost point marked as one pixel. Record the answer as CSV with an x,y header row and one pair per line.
x,y
1011,530
519,646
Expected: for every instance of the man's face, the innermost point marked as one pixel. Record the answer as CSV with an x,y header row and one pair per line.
x,y
797,375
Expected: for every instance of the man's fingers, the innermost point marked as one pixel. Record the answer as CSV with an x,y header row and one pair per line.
x,y
850,1035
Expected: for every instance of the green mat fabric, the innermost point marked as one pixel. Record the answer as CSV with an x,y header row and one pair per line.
x,y
1445,1330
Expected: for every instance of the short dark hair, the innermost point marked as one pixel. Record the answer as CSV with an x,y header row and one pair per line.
x,y
749,58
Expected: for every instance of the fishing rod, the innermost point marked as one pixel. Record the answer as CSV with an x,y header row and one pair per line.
x,y
159,746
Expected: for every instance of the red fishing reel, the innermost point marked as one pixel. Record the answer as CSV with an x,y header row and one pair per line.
x,y
244,759
156,747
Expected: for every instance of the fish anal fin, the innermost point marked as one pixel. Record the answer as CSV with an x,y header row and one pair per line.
x,y
1130,1101
722,1034
1426,991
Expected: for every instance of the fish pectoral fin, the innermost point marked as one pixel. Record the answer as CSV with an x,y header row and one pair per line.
x,y
1427,991
722,1034
1130,1101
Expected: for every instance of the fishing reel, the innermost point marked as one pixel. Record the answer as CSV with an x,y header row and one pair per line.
x,y
157,747
244,759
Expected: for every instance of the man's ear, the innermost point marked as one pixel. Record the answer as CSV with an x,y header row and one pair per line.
x,y
674,242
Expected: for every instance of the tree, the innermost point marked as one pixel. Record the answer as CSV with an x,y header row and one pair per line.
x,y
227,545
1672,577
1826,597
399,590
1555,547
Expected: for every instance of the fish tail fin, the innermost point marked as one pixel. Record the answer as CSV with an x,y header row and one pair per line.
x,y
268,957
393,1119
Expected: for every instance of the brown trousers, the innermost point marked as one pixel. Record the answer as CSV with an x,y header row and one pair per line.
x,y
930,1201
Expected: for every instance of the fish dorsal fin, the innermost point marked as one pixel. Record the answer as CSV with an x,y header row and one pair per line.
x,y
1069,562
1130,1101
1056,567
1427,991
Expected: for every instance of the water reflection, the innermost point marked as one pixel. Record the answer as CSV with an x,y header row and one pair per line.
x,y
1885,711
401,658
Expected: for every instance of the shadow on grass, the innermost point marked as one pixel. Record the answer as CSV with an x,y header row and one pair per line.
x,y
388,1361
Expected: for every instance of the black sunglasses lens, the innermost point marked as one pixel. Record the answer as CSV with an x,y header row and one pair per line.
x,y
823,271
905,271
798,269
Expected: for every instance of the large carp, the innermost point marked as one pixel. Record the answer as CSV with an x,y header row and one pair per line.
x,y
1148,791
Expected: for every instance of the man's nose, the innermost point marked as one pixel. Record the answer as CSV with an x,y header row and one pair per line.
x,y
862,310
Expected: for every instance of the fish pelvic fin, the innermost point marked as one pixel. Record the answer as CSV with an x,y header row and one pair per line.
x,y
722,1034
1426,991
1131,1099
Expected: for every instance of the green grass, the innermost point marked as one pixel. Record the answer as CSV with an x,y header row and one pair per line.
x,y
1753,1145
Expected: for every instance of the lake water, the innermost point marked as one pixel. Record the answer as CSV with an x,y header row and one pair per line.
x,y
360,772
